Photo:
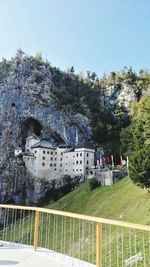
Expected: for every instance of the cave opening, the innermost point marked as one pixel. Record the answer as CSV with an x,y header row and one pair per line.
x,y
30,126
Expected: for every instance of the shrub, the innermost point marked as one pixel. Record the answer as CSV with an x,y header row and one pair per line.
x,y
94,183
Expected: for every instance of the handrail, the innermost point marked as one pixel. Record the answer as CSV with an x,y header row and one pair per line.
x,y
80,216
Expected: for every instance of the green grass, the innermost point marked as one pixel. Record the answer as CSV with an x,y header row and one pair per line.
x,y
122,201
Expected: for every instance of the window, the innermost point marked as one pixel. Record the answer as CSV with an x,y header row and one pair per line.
x,y
60,165
80,161
80,170
55,153
87,154
51,165
80,154
55,159
77,162
66,157
43,164
55,169
54,164
61,153
73,170
60,159
34,157
77,154
35,151
43,151
66,170
51,159
51,152
43,158
66,163
87,162
77,170
47,152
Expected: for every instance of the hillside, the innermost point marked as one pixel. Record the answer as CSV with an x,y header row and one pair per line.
x,y
123,201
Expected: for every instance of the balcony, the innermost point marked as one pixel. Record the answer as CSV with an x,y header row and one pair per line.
x,y
41,237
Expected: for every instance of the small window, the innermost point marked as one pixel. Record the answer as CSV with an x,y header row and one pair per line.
x,y
80,161
51,165
61,153
55,169
55,159
60,159
80,154
66,170
77,154
77,170
66,157
60,165
66,163
51,159
87,162
47,152
43,151
43,158
51,152
55,153
87,154
35,151
73,170
77,162
34,157
80,170
43,164
54,164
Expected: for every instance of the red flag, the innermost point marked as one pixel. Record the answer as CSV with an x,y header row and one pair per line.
x,y
121,163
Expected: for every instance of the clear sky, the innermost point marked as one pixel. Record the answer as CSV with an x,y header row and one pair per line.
x,y
95,35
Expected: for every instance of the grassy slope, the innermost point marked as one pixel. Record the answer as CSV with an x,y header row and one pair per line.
x,y
122,201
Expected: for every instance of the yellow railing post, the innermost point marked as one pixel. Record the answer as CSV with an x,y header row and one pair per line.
x,y
98,244
36,228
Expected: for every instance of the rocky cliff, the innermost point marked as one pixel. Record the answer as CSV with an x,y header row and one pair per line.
x,y
26,106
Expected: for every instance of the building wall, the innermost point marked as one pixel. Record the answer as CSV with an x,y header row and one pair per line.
x,y
30,142
77,162
53,163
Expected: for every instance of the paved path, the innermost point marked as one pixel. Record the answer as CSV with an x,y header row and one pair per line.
x,y
25,256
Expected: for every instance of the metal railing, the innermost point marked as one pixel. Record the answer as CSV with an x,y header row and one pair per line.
x,y
98,241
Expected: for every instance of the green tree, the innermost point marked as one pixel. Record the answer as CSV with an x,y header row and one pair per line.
x,y
139,167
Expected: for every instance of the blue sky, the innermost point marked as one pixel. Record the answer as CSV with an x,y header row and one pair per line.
x,y
95,35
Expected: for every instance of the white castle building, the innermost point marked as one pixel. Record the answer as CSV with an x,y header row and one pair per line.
x,y
45,161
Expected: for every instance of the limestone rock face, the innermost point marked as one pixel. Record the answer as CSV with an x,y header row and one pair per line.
x,y
27,107
120,96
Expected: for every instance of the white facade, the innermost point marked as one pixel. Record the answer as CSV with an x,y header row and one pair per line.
x,y
30,141
77,162
45,161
